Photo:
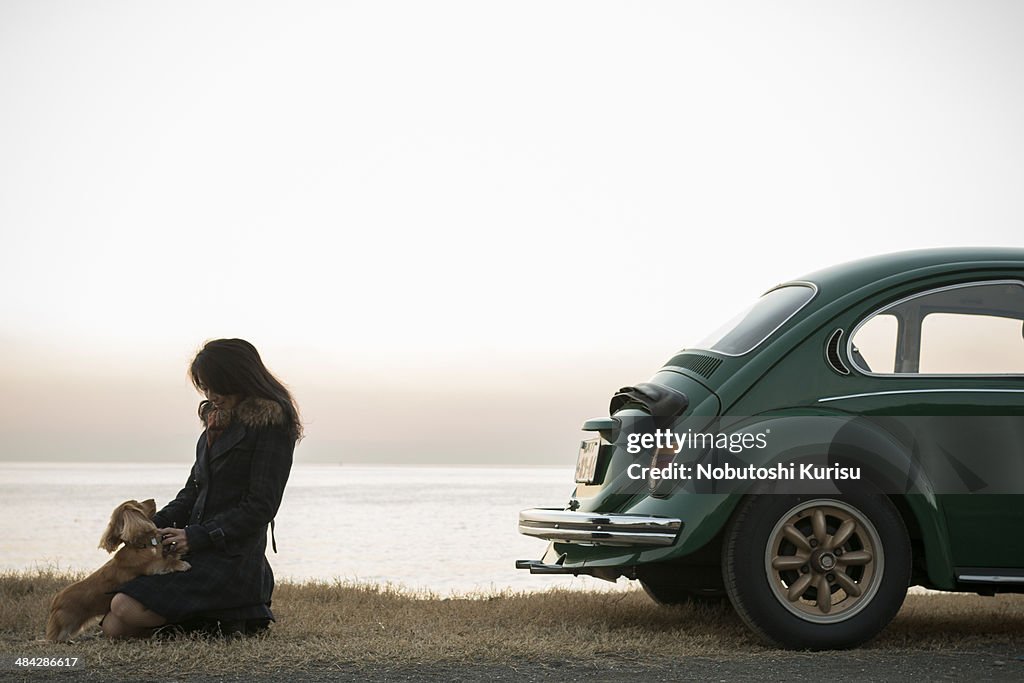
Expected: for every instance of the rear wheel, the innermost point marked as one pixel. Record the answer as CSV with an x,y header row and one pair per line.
x,y
816,572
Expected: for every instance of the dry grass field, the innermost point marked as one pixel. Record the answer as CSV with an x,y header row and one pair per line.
x,y
346,627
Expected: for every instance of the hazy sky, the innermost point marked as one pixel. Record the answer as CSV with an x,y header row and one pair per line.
x,y
455,228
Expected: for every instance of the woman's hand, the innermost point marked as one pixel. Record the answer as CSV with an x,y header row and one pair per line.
x,y
175,540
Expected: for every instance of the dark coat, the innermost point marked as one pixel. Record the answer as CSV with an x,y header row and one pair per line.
x,y
232,494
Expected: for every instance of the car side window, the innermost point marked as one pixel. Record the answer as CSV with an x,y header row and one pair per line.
x,y
875,347
955,343
974,329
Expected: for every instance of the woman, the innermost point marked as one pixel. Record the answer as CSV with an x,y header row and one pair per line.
x,y
219,519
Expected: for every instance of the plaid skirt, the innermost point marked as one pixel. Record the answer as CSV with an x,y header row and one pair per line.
x,y
218,586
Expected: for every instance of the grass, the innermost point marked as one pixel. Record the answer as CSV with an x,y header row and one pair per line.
x,y
327,625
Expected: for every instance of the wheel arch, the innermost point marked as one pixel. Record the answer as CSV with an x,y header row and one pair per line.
x,y
929,537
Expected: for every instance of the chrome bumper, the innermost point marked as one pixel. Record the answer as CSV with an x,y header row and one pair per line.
x,y
593,528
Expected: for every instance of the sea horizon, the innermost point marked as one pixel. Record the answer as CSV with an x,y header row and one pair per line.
x,y
438,528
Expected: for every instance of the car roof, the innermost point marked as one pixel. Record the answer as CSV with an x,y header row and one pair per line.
x,y
846,277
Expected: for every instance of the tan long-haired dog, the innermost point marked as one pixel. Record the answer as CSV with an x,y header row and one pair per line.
x,y
142,553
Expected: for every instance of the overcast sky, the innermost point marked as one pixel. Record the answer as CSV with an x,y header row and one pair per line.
x,y
455,228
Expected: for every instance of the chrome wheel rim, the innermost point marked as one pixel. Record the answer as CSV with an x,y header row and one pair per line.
x,y
824,561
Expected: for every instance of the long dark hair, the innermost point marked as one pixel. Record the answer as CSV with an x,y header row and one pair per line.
x,y
234,366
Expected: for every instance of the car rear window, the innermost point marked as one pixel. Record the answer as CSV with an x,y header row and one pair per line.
x,y
746,331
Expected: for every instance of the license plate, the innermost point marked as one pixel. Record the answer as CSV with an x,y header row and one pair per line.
x,y
586,461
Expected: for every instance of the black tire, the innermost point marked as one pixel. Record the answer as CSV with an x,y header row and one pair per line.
x,y
669,594
846,559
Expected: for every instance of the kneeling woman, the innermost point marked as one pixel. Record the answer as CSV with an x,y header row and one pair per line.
x,y
219,519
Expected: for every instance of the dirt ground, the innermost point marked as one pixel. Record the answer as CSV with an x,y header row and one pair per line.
x,y
858,665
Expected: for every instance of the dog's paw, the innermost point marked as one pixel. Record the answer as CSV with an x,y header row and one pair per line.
x,y
183,566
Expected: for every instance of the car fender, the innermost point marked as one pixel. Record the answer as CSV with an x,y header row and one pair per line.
x,y
885,449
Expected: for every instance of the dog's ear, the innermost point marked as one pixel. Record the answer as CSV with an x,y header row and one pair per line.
x,y
149,507
135,523
112,535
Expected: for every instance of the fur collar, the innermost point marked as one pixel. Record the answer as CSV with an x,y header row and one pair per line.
x,y
253,412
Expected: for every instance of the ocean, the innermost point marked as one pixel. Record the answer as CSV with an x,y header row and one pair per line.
x,y
448,530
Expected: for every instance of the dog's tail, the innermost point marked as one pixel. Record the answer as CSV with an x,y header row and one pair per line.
x,y
57,628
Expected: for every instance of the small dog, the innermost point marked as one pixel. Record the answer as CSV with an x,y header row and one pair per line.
x,y
142,553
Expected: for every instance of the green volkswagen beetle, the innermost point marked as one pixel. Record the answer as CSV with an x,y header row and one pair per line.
x,y
855,432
